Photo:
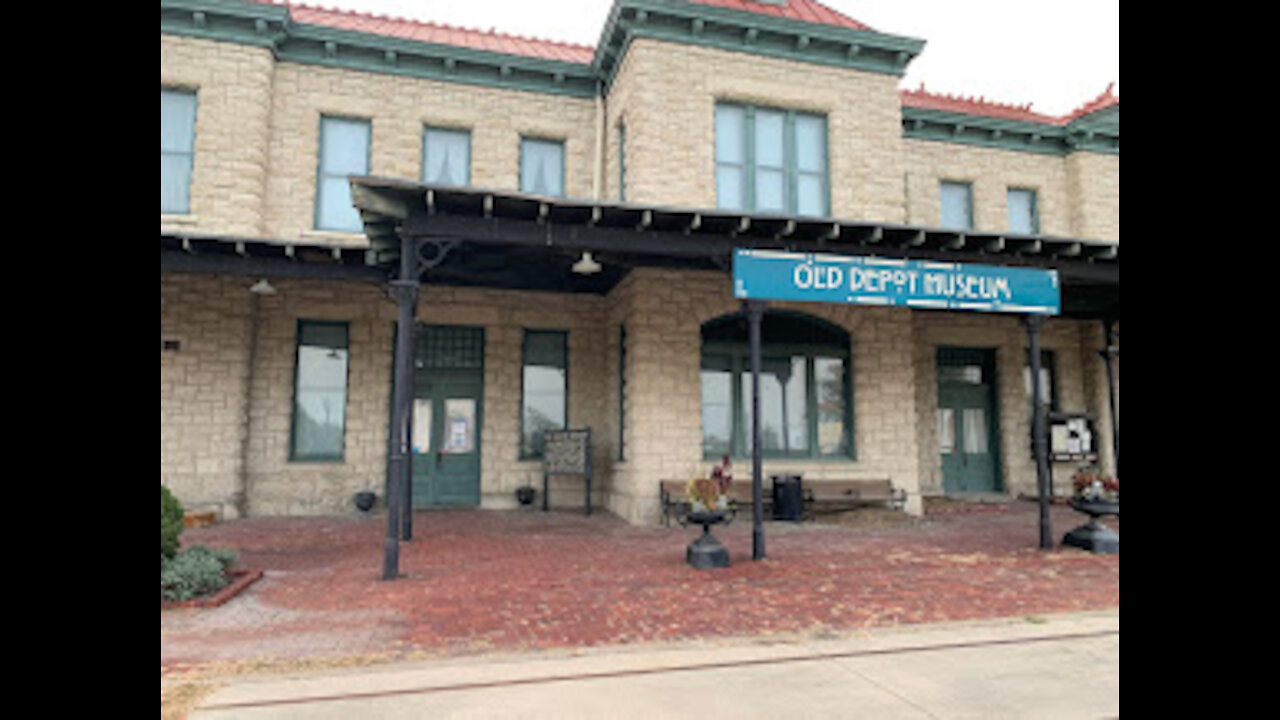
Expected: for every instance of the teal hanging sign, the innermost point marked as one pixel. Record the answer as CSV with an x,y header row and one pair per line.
x,y
922,285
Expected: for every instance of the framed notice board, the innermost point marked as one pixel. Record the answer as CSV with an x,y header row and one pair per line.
x,y
566,452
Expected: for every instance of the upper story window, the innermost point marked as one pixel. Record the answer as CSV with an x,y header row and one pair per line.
x,y
771,160
622,162
177,150
1023,215
344,151
957,205
446,157
542,167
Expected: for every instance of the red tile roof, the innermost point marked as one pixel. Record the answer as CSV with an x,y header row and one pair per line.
x,y
1102,102
925,100
809,11
981,106
438,34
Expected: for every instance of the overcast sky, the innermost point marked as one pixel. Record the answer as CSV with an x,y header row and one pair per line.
x,y
1054,55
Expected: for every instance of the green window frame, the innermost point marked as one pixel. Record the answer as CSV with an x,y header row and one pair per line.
x,y
956,199
544,391
344,147
622,162
320,384
1022,206
806,393
771,160
177,149
542,166
446,156
622,392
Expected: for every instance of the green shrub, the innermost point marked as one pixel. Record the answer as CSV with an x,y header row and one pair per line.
x,y
170,523
193,572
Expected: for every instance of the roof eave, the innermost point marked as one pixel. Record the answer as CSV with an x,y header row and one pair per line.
x,y
752,33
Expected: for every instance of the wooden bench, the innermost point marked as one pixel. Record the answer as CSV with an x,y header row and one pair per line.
x,y
853,493
675,500
829,494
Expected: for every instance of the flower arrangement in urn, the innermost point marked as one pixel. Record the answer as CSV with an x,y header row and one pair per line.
x,y
1091,486
710,494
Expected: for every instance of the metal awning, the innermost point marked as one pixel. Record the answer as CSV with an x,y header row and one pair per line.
x,y
495,238
457,235
265,257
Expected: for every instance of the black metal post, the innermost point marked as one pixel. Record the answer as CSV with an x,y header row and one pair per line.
x,y
587,467
755,316
1111,354
1039,437
406,509
405,292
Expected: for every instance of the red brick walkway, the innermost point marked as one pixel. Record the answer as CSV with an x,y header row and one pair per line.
x,y
485,581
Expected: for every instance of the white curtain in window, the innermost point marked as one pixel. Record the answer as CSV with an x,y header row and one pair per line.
x,y
542,167
730,157
771,164
811,165
446,157
975,431
946,430
957,206
1022,211
344,151
177,142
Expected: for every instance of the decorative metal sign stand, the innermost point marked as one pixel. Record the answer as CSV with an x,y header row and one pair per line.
x,y
566,452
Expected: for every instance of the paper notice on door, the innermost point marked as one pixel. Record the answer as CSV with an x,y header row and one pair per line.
x,y
460,428
422,426
458,436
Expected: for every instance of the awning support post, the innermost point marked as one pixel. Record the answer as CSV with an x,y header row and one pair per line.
x,y
1039,438
1111,354
755,316
404,290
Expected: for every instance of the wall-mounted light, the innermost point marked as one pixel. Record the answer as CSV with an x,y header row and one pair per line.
x,y
262,287
586,265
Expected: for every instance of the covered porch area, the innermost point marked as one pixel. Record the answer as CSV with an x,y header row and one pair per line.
x,y
484,285
666,276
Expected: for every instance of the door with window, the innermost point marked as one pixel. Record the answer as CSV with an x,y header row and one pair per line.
x,y
447,416
968,422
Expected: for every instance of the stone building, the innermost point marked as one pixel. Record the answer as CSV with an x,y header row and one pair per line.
x,y
277,331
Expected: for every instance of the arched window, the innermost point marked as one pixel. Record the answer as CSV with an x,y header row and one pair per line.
x,y
805,404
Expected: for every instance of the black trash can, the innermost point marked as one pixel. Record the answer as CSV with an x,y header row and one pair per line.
x,y
788,498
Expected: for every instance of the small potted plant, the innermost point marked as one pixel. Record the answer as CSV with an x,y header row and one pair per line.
x,y
1095,495
709,505
710,494
1093,489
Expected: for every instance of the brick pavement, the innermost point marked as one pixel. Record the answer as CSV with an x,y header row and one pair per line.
x,y
517,581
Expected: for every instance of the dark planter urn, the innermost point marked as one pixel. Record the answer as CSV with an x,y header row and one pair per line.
x,y
707,552
364,500
525,496
1093,535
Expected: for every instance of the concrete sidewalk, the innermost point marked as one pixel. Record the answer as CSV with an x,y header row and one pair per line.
x,y
1063,666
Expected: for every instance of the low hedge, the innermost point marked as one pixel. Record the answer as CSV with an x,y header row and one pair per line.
x,y
194,572
171,513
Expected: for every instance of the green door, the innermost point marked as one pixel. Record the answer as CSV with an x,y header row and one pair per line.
x,y
968,424
447,417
